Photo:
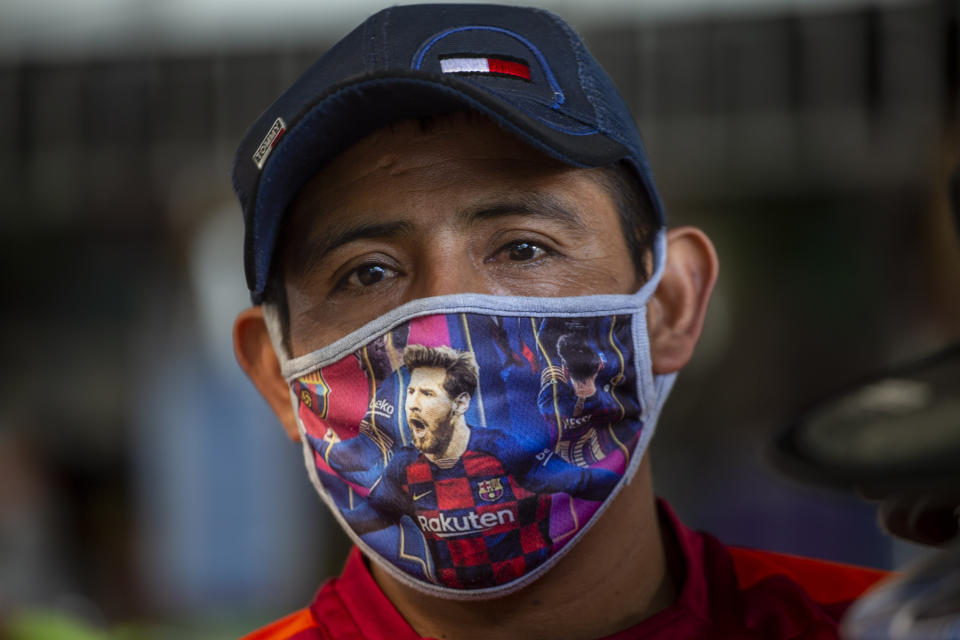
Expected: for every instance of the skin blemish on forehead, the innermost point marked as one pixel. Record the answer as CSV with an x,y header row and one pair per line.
x,y
387,163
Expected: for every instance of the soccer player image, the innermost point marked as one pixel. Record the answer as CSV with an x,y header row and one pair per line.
x,y
345,445
383,356
588,416
482,504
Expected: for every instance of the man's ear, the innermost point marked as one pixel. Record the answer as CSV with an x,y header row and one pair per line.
x,y
676,310
461,403
251,343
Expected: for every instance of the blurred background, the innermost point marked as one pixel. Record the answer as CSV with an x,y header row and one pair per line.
x,y
147,491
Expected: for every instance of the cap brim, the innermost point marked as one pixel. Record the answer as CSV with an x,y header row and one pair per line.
x,y
352,110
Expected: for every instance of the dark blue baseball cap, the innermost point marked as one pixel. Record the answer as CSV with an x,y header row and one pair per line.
x,y
524,68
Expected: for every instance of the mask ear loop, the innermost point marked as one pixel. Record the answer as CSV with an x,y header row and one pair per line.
x,y
271,317
652,389
663,383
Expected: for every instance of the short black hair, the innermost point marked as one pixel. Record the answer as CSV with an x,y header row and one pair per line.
x,y
462,373
581,361
638,220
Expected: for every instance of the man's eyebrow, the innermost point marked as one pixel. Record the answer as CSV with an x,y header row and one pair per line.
x,y
314,252
531,205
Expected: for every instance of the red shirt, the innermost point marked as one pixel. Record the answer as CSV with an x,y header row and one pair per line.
x,y
728,592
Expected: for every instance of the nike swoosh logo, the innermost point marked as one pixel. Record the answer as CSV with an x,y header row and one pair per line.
x,y
417,496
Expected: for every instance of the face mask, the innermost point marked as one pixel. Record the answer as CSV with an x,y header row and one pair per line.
x,y
467,442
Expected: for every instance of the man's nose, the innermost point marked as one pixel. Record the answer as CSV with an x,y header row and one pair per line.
x,y
448,267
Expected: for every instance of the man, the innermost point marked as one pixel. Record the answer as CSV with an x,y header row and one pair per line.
x,y
450,167
504,496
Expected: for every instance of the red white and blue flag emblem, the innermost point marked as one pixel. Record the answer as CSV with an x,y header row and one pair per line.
x,y
500,66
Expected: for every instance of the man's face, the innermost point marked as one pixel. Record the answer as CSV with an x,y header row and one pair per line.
x,y
463,207
429,410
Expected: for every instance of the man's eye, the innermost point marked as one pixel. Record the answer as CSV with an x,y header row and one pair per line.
x,y
369,274
524,251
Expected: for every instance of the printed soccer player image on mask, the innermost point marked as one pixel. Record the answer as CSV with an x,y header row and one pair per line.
x,y
465,442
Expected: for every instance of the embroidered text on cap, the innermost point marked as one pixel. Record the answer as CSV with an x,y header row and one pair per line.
x,y
269,142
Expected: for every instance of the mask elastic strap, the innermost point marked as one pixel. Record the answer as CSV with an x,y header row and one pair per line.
x,y
271,317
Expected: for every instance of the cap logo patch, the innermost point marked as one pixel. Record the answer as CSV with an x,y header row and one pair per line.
x,y
269,142
492,65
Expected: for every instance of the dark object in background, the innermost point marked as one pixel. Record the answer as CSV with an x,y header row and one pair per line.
x,y
954,194
893,433
896,439
896,435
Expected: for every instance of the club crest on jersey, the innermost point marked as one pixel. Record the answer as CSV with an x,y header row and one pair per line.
x,y
490,490
306,398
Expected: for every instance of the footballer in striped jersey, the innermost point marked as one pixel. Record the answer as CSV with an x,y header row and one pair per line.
x,y
481,501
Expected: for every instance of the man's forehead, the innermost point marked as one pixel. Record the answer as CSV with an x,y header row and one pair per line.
x,y
397,147
445,150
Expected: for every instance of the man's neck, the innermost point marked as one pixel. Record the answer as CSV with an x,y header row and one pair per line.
x,y
615,577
